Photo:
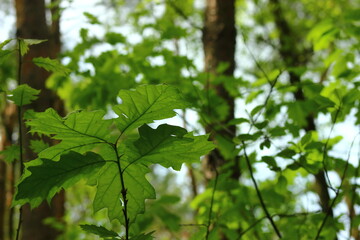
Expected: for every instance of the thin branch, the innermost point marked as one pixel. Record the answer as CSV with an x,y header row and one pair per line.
x,y
211,204
20,140
192,225
337,193
325,150
183,15
258,65
352,201
123,193
275,215
263,205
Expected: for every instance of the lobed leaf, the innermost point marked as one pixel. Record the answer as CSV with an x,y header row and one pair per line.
x,y
48,176
4,43
146,104
4,54
108,194
25,43
11,153
143,236
169,146
80,131
99,231
23,95
51,65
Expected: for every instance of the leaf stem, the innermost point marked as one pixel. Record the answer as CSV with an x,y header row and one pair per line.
x,y
123,193
211,204
20,140
337,193
268,216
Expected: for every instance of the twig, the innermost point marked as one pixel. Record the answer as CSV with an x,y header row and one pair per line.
x,y
274,215
123,192
20,140
211,204
336,195
325,149
352,201
268,216
192,225
183,15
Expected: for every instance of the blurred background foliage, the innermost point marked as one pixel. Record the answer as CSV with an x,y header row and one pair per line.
x,y
282,46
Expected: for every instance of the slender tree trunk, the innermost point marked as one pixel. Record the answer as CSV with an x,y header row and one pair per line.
x,y
293,57
3,173
8,126
219,41
31,23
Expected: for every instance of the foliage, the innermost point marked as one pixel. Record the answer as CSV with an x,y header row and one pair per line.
x,y
280,154
119,164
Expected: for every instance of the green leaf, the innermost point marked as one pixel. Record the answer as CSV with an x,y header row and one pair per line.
x,y
80,131
4,43
51,65
4,53
48,176
146,104
323,102
245,137
256,110
261,125
147,236
248,137
282,183
306,138
91,18
114,38
11,153
25,43
277,131
169,146
23,95
38,145
99,231
108,194
287,153
297,113
237,121
266,143
270,161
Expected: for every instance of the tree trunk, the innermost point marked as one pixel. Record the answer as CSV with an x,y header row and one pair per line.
x,y
3,171
293,57
219,41
8,126
31,23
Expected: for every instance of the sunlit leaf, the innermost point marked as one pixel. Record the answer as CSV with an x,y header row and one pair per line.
x,y
108,194
167,145
25,43
100,231
51,65
23,95
48,176
146,104
80,131
91,18
11,153
4,43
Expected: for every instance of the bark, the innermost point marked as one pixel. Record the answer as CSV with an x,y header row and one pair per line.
x,y
294,56
8,125
3,171
31,23
219,41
